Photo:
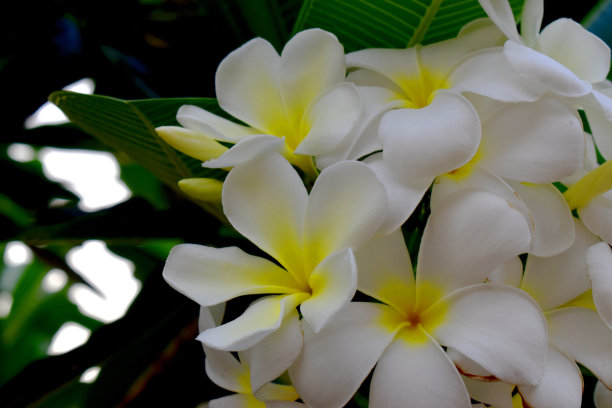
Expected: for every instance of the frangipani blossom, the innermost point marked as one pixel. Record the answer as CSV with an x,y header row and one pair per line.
x,y
423,85
564,57
499,326
241,376
577,329
300,97
524,148
311,237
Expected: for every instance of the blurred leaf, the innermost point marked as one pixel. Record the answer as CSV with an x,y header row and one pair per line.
x,y
72,395
129,126
144,184
390,24
158,315
598,21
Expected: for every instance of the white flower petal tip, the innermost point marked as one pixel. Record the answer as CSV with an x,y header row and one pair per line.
x,y
416,143
203,189
500,12
545,69
599,261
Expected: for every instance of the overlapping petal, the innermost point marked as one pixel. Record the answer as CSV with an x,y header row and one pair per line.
x,y
273,355
385,270
538,142
553,230
339,214
245,150
488,229
416,143
227,372
553,281
201,121
262,317
497,326
265,201
351,345
599,263
333,284
420,373
596,216
214,275
569,43
311,62
582,334
560,386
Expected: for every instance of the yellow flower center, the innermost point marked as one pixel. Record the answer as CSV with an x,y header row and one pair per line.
x,y
419,91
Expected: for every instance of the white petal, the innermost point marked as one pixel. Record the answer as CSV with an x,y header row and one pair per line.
x,y
420,373
599,261
417,145
467,236
497,326
273,355
224,370
237,401
385,270
509,273
537,142
339,215
265,200
201,121
262,317
560,386
597,216
470,369
553,230
553,281
603,396
330,119
247,86
576,48
333,284
488,73
442,56
553,74
582,334
403,196
351,344
213,275
479,178
531,21
599,114
311,62
245,150
399,65
494,393
210,316
500,12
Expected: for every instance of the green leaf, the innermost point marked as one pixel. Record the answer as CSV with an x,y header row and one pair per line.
x,y
598,21
129,127
390,24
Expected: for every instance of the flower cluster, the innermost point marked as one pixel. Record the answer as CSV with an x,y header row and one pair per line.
x,y
512,278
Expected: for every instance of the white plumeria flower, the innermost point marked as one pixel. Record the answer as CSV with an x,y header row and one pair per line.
x,y
564,57
499,326
241,376
311,237
524,148
421,85
300,97
579,317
